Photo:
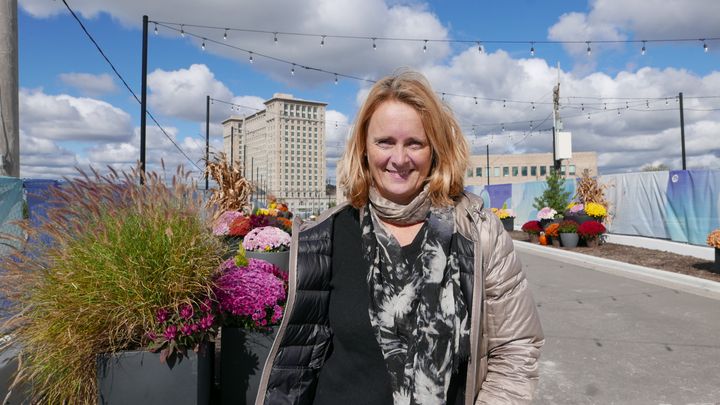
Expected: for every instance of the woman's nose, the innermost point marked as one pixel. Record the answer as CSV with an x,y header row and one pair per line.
x,y
399,155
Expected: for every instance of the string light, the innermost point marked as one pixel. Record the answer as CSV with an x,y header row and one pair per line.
x,y
503,103
225,34
425,46
475,100
203,44
666,101
606,106
582,107
322,41
182,31
647,104
503,127
156,31
705,47
443,97
533,105
480,47
336,79
642,51
275,38
374,45
588,115
292,70
618,112
251,57
589,51
532,48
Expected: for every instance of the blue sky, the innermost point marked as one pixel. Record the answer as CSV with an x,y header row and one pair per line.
x,y
74,111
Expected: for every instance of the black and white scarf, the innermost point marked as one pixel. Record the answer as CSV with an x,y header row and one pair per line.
x,y
420,319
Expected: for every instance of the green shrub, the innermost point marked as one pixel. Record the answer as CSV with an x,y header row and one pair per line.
x,y
118,252
554,196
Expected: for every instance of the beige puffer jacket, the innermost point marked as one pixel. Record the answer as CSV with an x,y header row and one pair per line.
x,y
505,349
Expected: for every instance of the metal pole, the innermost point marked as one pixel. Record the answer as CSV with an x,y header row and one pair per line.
x,y
682,130
207,138
9,104
487,157
232,144
252,173
143,100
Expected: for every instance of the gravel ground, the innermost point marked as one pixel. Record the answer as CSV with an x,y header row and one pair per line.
x,y
644,257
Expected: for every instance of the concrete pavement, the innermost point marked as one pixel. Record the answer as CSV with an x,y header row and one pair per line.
x,y
611,339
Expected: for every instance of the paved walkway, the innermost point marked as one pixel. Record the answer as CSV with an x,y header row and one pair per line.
x,y
611,339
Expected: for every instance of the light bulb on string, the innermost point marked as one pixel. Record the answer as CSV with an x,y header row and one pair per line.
x,y
251,57
374,45
443,97
606,106
182,31
322,41
225,34
647,104
588,115
503,103
582,107
666,101
292,70
425,46
475,100
531,125
336,78
642,51
589,51
532,48
533,105
156,30
705,47
275,39
618,112
203,44
502,127
627,106
480,47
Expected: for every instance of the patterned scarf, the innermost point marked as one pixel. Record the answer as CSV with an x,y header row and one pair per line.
x,y
416,309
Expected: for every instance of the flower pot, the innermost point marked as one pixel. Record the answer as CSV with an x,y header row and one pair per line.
x,y
232,243
280,259
242,357
508,224
138,377
545,222
580,217
569,240
555,240
534,237
592,242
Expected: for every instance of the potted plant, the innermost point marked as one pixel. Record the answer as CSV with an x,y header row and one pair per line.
x,y
251,294
554,196
507,217
552,232
589,199
268,243
596,211
86,287
590,231
713,240
546,216
533,229
568,235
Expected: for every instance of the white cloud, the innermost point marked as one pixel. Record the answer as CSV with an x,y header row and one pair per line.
x,y
337,131
637,19
43,158
63,117
89,84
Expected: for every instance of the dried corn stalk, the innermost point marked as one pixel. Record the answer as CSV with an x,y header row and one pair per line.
x,y
233,192
588,190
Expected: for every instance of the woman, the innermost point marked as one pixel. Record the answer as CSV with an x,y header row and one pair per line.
x,y
409,293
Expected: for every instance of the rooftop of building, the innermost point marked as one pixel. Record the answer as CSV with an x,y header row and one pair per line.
x,y
275,97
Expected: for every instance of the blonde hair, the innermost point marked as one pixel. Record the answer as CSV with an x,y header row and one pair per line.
x,y
450,152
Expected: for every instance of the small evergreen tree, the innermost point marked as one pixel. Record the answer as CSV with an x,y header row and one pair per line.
x,y
555,195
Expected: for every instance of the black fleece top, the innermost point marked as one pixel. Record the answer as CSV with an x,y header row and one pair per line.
x,y
355,372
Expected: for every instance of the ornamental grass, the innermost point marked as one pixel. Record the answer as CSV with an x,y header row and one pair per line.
x,y
95,271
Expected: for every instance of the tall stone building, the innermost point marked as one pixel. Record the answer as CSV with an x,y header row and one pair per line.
x,y
282,150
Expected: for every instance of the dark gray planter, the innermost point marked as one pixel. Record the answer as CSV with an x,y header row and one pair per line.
x,y
508,224
569,240
138,377
280,259
242,357
716,267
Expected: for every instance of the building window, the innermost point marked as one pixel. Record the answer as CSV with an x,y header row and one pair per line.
x,y
572,170
478,171
506,171
515,171
496,172
543,170
524,171
563,169
469,173
533,170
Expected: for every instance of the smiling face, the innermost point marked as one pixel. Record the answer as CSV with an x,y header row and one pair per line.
x,y
398,151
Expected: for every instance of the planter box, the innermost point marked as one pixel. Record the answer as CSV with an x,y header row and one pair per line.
x,y
569,240
242,358
138,377
508,224
280,259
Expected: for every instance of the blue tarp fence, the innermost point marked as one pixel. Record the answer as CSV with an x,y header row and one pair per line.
x,y
678,205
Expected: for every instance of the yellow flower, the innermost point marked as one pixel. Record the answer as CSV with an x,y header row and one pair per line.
x,y
713,239
572,204
595,210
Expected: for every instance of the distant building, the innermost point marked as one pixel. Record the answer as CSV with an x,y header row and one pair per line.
x,y
521,168
282,150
